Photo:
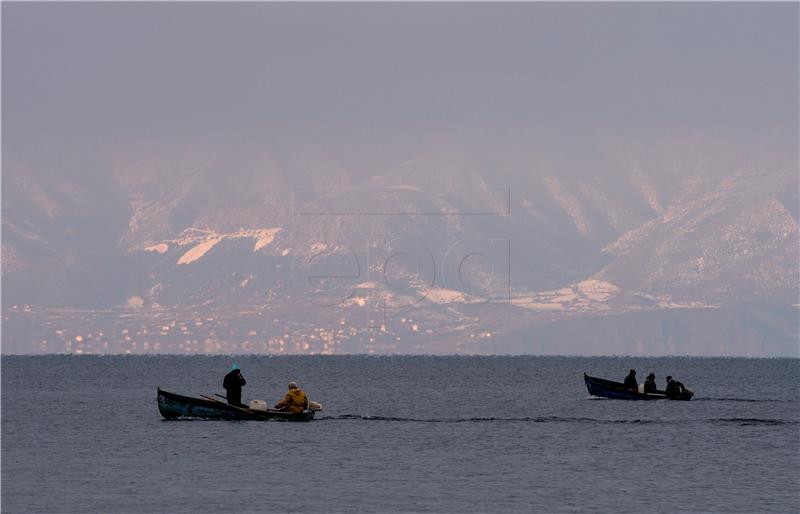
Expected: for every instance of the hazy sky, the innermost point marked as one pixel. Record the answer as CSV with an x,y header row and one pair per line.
x,y
109,72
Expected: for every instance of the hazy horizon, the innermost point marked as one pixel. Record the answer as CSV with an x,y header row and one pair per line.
x,y
444,178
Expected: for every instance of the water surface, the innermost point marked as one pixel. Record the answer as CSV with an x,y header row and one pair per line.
x,y
436,434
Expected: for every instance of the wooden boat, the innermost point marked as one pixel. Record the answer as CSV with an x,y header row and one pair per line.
x,y
172,406
616,390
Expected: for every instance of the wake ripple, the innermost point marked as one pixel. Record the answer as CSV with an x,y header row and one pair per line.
x,y
558,419
756,421
543,419
749,400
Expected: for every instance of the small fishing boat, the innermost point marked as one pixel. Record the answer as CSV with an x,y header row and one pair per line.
x,y
172,406
616,390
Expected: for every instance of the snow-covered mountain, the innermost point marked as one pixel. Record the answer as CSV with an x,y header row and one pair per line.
x,y
474,243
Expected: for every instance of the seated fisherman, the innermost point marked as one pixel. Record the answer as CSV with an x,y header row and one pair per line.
x,y
650,384
630,381
295,400
674,388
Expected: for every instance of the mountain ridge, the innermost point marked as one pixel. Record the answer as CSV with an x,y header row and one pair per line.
x,y
183,236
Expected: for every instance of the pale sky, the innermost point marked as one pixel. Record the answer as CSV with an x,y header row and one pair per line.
x,y
108,72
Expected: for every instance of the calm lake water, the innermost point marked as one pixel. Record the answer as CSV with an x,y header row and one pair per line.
x,y
435,434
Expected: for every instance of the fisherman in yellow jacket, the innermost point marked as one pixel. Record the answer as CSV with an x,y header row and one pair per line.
x,y
295,400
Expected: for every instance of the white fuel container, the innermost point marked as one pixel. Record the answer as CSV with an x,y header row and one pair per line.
x,y
258,405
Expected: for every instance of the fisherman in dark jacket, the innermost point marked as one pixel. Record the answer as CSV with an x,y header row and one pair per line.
x,y
630,381
233,386
650,384
674,388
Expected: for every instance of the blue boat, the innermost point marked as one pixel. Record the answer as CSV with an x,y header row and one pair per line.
x,y
172,406
616,390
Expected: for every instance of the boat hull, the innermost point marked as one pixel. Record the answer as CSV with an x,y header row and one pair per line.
x,y
617,391
172,406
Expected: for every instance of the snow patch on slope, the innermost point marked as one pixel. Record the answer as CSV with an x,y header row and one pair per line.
x,y
264,237
568,203
442,296
645,188
203,240
199,250
590,294
597,290
160,248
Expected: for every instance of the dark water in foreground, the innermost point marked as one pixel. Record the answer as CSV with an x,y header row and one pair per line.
x,y
437,434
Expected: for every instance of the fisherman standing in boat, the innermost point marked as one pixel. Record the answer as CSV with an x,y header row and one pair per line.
x,y
674,388
650,384
630,381
233,386
295,400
